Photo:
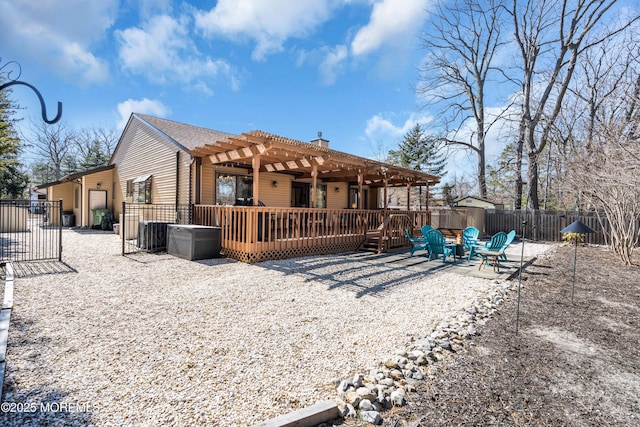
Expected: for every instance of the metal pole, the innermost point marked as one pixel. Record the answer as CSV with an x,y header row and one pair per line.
x,y
524,224
60,230
575,259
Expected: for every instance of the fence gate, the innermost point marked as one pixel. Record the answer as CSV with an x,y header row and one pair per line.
x,y
30,230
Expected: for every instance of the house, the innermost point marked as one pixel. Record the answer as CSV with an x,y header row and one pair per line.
x,y
82,192
477,202
163,162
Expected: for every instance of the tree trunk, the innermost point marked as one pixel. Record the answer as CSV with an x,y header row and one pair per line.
x,y
532,179
517,202
482,179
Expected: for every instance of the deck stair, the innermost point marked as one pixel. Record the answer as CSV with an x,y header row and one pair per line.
x,y
373,242
388,237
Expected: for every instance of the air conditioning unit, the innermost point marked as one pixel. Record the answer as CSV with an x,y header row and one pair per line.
x,y
152,235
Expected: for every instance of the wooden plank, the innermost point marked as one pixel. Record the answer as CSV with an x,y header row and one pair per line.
x,y
306,417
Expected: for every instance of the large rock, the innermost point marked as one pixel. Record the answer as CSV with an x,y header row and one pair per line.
x,y
357,381
386,381
366,393
398,398
372,417
352,398
366,405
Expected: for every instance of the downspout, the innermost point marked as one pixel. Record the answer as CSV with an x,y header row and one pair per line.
x,y
177,179
197,164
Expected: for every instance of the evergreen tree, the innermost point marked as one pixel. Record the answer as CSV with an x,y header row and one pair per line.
x,y
42,173
448,194
13,181
9,141
419,151
95,156
502,175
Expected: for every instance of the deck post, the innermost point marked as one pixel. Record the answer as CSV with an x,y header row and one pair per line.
x,y
314,183
360,189
255,162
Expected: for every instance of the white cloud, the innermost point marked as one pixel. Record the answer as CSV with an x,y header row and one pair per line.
x,y
142,106
382,128
332,64
393,23
59,35
162,51
268,24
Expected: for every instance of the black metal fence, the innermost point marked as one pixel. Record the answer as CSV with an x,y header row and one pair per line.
x,y
545,225
30,230
143,228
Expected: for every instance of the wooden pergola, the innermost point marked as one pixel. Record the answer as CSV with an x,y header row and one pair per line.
x,y
264,152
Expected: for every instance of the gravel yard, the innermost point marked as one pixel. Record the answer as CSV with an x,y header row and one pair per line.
x,y
157,340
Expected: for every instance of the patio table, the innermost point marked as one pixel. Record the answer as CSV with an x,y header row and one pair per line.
x,y
457,248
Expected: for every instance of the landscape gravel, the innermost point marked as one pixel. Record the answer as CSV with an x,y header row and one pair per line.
x,y
153,339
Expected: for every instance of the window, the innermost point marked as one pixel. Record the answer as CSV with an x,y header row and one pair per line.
x,y
354,195
301,195
141,189
230,187
76,198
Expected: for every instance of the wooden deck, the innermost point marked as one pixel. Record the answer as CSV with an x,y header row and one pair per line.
x,y
256,233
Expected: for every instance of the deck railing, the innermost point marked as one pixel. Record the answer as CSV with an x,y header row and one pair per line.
x,y
257,233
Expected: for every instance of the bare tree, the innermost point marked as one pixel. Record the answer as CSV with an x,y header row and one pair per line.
x,y
607,168
551,36
53,143
94,146
462,40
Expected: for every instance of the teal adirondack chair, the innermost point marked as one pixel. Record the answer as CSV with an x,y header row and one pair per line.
x,y
417,243
494,245
425,229
470,237
438,246
510,236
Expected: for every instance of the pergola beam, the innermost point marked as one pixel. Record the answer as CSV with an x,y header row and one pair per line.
x,y
239,153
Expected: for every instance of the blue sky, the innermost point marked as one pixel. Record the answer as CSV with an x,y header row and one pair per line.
x,y
290,67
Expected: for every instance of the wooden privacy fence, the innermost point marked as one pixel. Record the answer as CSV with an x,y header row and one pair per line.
x,y
544,225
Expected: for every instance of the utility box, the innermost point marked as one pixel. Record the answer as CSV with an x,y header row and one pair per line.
x,y
194,242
